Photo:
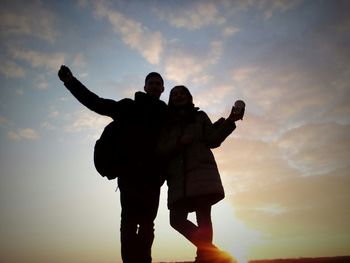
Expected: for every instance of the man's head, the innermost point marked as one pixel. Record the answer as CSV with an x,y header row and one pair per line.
x,y
154,84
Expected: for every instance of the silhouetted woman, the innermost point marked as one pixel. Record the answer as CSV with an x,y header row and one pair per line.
x,y
193,180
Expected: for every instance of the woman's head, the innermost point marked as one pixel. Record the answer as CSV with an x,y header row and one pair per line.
x,y
180,96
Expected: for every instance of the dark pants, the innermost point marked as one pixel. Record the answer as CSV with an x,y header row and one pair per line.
x,y
201,235
139,204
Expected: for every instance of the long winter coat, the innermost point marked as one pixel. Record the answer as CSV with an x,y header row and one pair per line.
x,y
192,175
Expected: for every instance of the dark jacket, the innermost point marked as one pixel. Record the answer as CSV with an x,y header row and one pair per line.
x,y
140,121
192,175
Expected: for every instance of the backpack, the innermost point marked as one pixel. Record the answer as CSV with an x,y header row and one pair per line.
x,y
108,152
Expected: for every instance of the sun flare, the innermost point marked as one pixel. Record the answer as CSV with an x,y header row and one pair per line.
x,y
231,235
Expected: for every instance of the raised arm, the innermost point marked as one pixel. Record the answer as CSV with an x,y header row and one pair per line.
x,y
89,99
216,133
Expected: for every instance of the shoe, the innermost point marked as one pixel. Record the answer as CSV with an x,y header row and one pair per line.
x,y
213,255
206,254
223,257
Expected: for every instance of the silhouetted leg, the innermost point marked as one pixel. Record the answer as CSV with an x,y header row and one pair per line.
x,y
205,231
145,238
148,212
128,227
128,240
179,221
205,226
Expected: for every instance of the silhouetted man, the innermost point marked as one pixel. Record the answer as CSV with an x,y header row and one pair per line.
x,y
140,173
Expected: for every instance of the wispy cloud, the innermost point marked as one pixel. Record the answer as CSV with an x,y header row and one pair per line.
x,y
229,31
86,121
134,34
26,134
181,63
79,60
213,96
20,92
272,191
267,8
12,70
3,121
317,148
40,82
193,17
285,168
50,61
31,19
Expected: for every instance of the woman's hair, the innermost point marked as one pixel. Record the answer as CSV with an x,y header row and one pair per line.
x,y
183,114
188,93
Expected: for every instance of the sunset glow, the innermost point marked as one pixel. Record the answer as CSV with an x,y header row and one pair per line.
x,y
285,168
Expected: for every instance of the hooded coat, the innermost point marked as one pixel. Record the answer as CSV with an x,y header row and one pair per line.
x,y
192,175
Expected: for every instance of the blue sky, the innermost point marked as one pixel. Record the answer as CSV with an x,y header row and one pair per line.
x,y
285,169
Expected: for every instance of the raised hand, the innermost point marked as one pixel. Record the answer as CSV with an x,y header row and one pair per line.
x,y
65,74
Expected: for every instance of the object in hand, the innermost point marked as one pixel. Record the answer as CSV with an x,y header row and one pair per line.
x,y
239,107
239,104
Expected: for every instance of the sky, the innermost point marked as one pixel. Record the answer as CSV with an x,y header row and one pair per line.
x,y
285,168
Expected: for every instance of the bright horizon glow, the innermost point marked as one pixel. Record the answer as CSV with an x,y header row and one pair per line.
x,y
285,169
233,236
230,234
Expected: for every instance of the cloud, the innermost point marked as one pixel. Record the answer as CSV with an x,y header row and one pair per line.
x,y
182,63
3,121
134,34
40,82
50,61
53,113
79,60
268,8
28,19
302,202
47,125
19,92
27,134
229,31
211,97
275,191
316,148
83,3
86,121
11,70
291,94
264,160
268,194
180,67
193,17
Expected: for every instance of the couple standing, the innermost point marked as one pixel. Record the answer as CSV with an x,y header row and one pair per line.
x,y
166,142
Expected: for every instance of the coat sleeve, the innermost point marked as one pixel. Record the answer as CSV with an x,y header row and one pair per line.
x,y
215,134
93,102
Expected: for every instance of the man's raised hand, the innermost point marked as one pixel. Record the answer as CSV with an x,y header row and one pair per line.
x,y
65,74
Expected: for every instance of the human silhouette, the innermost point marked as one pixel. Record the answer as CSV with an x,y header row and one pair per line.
x,y
140,174
193,179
